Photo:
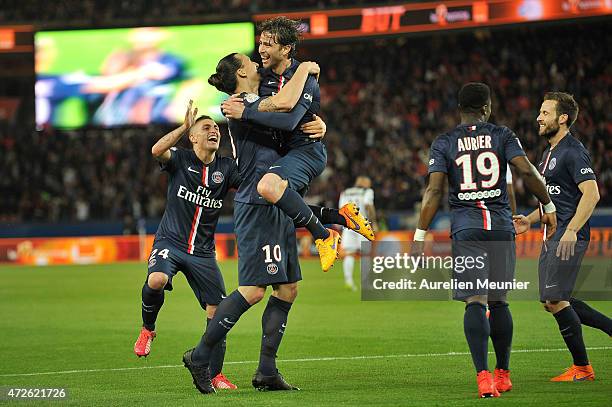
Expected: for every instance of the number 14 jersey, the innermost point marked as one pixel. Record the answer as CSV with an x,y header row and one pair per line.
x,y
475,158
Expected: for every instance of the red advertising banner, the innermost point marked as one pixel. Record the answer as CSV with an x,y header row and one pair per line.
x,y
441,15
110,249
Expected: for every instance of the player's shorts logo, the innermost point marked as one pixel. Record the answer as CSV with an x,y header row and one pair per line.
x,y
217,177
152,262
552,164
272,269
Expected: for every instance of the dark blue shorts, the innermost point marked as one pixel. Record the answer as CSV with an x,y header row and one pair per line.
x,y
301,165
202,273
557,277
479,256
267,247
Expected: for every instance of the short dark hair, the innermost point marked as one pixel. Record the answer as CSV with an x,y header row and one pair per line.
x,y
199,119
203,117
473,96
284,30
566,104
225,77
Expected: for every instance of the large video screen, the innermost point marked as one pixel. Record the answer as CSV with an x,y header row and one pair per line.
x,y
131,76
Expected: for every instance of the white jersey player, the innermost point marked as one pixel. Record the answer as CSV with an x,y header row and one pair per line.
x,y
362,195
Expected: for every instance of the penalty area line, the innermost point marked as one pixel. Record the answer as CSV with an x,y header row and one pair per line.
x,y
321,359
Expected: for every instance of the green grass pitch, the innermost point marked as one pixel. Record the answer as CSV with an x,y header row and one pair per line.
x,y
75,326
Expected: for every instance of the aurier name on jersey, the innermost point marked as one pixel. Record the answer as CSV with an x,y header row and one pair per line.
x,y
271,84
564,168
475,159
194,200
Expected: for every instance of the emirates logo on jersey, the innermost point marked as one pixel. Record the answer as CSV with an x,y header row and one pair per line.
x,y
217,177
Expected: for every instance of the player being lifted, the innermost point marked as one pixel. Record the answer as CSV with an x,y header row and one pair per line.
x,y
566,167
473,159
304,158
266,240
198,182
362,195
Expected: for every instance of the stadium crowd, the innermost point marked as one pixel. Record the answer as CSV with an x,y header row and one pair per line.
x,y
113,12
382,113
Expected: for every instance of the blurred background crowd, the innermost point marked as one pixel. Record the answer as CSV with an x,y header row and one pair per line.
x,y
384,102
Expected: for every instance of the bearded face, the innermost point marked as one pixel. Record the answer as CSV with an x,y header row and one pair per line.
x,y
548,120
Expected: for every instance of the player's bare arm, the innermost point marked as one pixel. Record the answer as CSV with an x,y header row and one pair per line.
x,y
431,199
283,101
535,185
429,206
286,99
511,197
161,149
586,205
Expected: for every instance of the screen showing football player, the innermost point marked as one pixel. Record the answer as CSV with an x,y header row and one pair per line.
x,y
472,159
198,181
570,180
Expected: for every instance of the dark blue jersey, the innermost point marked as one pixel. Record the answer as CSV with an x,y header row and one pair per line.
x,y
255,150
475,158
194,200
564,167
309,103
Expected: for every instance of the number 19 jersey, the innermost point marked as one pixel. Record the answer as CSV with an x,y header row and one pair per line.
x,y
475,158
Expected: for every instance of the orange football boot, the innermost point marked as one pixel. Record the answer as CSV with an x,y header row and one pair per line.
x,y
222,382
502,380
486,385
142,347
356,221
328,249
576,374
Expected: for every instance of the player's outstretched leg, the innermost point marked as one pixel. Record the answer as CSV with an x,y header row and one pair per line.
x,y
152,301
500,322
273,324
275,190
571,331
591,317
228,312
477,331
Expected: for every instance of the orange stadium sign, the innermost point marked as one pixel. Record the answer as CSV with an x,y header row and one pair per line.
x,y
440,15
111,249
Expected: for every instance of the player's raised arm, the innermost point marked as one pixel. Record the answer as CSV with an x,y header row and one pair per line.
x,y
286,99
161,149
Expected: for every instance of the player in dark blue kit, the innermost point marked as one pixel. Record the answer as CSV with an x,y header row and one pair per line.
x,y
304,158
473,159
566,167
266,236
198,183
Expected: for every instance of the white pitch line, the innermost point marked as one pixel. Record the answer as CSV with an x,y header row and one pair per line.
x,y
322,359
